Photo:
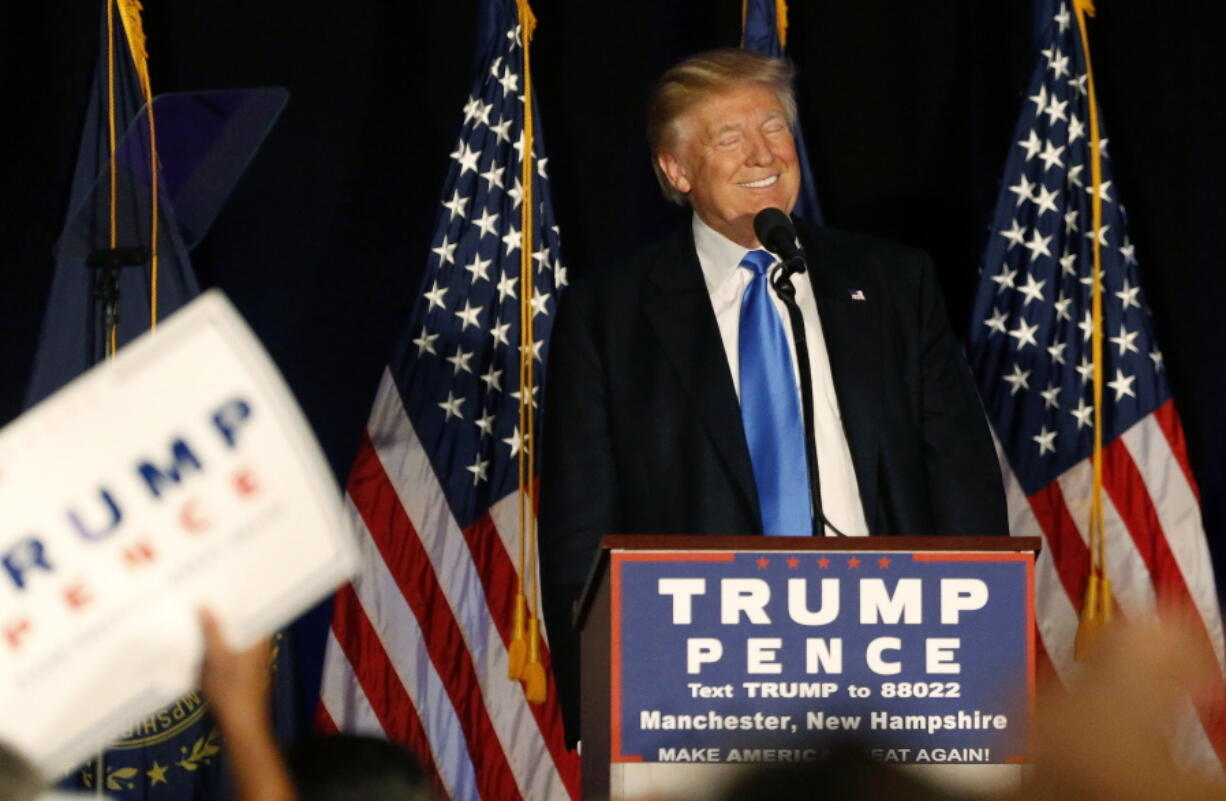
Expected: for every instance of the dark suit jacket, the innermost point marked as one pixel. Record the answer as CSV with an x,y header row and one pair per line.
x,y
642,431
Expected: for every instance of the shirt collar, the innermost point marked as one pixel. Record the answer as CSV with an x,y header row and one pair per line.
x,y
718,255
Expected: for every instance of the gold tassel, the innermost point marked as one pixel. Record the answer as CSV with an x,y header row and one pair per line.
x,y
534,671
129,13
781,22
517,653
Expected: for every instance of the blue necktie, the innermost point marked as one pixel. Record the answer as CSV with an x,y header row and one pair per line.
x,y
770,408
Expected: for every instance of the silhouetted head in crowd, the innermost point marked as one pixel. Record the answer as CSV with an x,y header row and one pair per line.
x,y
847,775
356,768
19,781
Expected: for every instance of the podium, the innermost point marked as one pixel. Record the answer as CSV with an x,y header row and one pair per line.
x,y
702,655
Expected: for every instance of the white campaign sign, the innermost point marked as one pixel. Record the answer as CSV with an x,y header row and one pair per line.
x,y
178,476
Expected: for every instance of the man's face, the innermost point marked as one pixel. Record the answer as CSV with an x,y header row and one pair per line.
x,y
733,155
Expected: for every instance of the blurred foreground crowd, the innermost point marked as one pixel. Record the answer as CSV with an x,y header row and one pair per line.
x,y
1105,738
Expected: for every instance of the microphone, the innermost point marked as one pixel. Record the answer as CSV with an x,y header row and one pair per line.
x,y
777,234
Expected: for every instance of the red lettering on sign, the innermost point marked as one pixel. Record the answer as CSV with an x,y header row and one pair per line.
x,y
191,520
14,632
139,553
77,596
246,482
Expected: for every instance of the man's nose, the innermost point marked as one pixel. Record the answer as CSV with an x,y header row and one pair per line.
x,y
758,150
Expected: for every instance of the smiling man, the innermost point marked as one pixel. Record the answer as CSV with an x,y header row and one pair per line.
x,y
674,396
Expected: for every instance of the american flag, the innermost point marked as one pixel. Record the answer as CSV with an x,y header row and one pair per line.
x,y
418,647
1030,347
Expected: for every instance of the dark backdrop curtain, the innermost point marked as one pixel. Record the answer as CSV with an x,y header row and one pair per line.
x,y
908,108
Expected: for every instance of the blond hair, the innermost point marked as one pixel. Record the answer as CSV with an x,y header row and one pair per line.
x,y
703,76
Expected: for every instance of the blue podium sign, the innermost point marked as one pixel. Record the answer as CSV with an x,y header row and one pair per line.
x,y
725,657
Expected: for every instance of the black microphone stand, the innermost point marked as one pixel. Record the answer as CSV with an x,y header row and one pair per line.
x,y
781,280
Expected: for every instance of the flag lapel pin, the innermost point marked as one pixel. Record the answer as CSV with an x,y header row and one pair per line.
x,y
856,294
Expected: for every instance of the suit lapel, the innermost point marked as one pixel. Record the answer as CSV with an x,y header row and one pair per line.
x,y
852,329
677,305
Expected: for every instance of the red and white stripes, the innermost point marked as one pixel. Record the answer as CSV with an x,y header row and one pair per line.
x,y
418,650
1157,557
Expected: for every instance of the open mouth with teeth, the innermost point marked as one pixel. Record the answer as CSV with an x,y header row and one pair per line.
x,y
767,181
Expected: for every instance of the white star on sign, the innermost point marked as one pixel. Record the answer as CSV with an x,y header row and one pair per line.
x,y
1122,385
1033,290
1083,413
456,205
467,158
1124,340
459,361
1051,156
486,223
451,406
1057,352
479,268
1046,440
1015,235
1018,379
1049,397
1128,295
425,343
1024,334
468,315
1038,245
1033,144
435,296
997,321
478,469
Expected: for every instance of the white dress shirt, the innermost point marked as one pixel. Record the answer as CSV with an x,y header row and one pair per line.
x,y
720,259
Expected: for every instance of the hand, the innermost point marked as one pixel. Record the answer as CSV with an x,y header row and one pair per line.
x,y
235,682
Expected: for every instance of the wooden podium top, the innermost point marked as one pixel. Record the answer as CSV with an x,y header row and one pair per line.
x,y
717,542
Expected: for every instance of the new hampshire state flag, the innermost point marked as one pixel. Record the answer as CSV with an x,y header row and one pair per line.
x,y
172,755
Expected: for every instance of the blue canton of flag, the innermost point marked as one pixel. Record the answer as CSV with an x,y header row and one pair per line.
x,y
419,647
459,371
1030,348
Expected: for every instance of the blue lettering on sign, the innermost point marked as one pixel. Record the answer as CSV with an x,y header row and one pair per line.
x,y
24,557
94,534
156,478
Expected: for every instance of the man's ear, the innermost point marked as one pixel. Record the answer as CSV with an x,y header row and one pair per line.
x,y
674,171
